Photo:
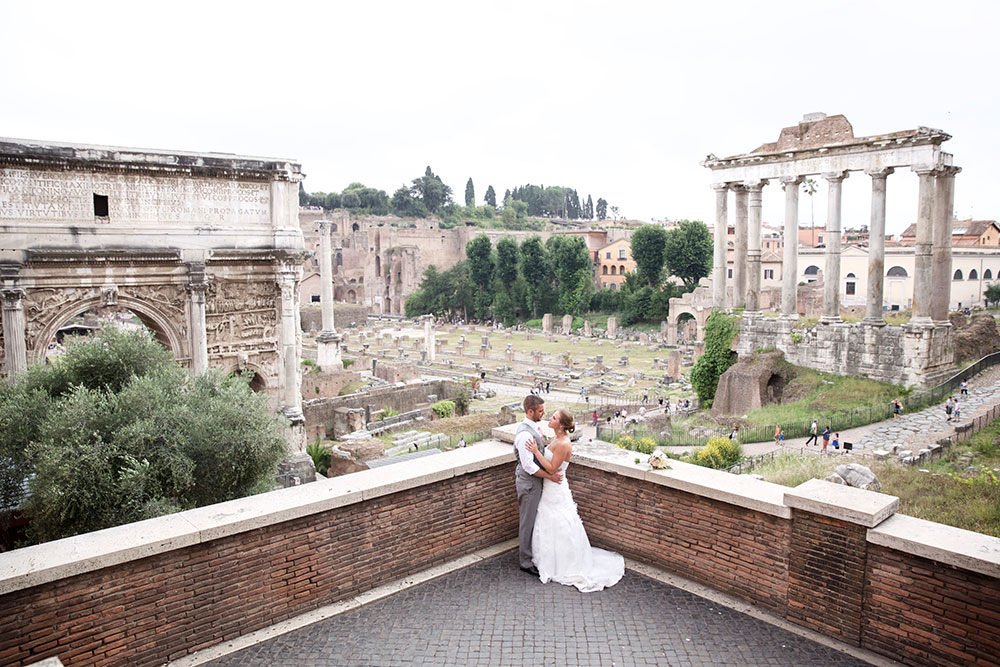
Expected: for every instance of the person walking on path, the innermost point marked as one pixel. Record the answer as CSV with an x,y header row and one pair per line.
x,y
897,409
826,437
957,413
836,441
777,432
949,407
813,434
965,387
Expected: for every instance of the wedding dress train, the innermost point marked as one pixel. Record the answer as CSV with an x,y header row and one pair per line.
x,y
560,547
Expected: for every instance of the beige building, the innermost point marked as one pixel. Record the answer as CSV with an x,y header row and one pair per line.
x,y
614,261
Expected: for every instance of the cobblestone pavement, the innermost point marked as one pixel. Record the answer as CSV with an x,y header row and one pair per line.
x,y
493,614
929,424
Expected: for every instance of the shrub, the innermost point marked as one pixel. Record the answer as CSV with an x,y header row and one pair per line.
x,y
116,431
347,363
720,329
462,402
719,453
308,362
444,409
388,412
320,456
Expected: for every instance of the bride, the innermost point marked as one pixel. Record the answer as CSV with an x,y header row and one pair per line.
x,y
562,551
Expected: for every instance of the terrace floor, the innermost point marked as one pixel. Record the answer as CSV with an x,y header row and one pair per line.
x,y
491,613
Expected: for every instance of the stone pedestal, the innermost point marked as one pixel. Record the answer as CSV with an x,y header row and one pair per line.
x,y
547,323
586,328
328,352
674,364
567,324
612,327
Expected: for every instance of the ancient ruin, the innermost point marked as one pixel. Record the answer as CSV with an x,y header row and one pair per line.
x,y
204,248
916,354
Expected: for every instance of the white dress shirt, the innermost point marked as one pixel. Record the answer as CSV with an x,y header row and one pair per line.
x,y
520,444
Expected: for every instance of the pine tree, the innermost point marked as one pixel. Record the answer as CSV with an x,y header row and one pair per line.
x,y
589,212
470,194
491,197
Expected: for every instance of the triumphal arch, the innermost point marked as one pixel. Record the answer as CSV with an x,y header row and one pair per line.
x,y
205,249
918,353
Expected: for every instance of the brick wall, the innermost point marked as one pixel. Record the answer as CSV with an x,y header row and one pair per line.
x,y
826,575
148,611
922,612
736,550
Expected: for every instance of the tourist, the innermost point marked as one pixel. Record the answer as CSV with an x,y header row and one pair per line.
x,y
813,434
595,419
897,409
582,390
957,411
734,435
826,437
645,396
548,387
660,399
965,388
836,441
781,437
777,432
949,406
461,441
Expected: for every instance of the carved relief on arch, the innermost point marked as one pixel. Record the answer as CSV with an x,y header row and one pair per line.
x,y
44,306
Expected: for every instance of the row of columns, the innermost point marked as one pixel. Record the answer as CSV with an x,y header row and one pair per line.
x,y
932,279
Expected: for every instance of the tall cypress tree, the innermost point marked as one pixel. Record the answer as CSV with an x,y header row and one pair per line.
x,y
470,193
491,197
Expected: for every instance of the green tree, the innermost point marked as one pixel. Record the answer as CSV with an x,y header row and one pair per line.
x,y
992,293
332,201
491,197
720,329
431,190
602,209
119,432
572,267
648,244
404,204
303,195
589,209
508,256
537,271
688,252
479,255
470,194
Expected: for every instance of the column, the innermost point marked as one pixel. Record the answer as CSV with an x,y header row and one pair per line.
x,y
429,339
740,250
831,272
876,248
944,204
14,343
790,258
291,397
923,285
721,229
328,341
754,190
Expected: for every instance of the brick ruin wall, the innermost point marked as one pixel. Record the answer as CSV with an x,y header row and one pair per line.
x,y
401,399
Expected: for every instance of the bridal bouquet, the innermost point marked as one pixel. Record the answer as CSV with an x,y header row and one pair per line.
x,y
659,460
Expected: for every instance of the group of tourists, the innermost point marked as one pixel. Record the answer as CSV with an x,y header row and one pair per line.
x,y
813,439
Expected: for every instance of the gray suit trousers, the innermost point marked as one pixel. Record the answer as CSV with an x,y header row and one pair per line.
x,y
529,492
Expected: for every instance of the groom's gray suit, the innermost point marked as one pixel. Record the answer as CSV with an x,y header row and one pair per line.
x,y
529,487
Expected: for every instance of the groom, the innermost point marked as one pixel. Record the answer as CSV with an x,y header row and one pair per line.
x,y
528,477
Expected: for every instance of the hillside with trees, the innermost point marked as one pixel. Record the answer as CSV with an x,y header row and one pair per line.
x,y
526,207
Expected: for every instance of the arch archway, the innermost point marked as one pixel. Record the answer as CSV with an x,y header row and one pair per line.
x,y
352,296
161,325
680,317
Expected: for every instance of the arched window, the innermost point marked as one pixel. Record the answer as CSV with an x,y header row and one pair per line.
x,y
897,272
355,227
973,275
340,259
613,287
812,270
605,271
958,275
987,275
621,269
613,269
850,288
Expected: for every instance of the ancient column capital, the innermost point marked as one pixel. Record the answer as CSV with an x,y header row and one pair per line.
x,y
325,226
835,176
720,187
925,169
791,180
737,188
880,174
12,297
949,171
755,185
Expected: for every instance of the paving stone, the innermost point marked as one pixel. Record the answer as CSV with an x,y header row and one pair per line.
x,y
493,614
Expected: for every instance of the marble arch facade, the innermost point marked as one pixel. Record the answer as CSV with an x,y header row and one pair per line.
x,y
917,354
205,248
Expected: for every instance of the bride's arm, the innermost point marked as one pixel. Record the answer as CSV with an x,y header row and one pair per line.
x,y
532,447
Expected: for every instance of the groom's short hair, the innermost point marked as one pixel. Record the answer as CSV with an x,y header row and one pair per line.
x,y
532,402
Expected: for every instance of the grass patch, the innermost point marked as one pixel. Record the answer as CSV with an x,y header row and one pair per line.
x,y
352,388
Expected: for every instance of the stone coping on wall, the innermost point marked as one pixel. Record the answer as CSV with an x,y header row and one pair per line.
x,y
847,503
935,541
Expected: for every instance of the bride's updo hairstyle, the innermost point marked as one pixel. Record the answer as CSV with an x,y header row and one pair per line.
x,y
566,421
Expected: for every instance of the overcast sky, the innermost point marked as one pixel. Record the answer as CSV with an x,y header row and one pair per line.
x,y
620,100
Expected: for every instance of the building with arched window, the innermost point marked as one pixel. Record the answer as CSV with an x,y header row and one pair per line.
x,y
612,263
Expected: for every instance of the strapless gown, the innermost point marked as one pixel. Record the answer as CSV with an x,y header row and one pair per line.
x,y
560,546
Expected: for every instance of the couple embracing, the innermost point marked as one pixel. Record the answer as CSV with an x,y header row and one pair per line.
x,y
552,542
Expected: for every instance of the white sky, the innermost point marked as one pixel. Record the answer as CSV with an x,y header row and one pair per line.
x,y
617,99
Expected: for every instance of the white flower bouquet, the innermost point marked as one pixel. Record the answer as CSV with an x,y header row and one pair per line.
x,y
658,460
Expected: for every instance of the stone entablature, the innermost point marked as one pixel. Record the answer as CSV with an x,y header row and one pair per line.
x,y
754,540
205,249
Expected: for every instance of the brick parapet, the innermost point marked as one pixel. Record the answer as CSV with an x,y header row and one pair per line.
x,y
827,558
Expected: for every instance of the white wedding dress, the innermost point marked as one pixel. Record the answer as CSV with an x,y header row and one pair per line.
x,y
559,545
